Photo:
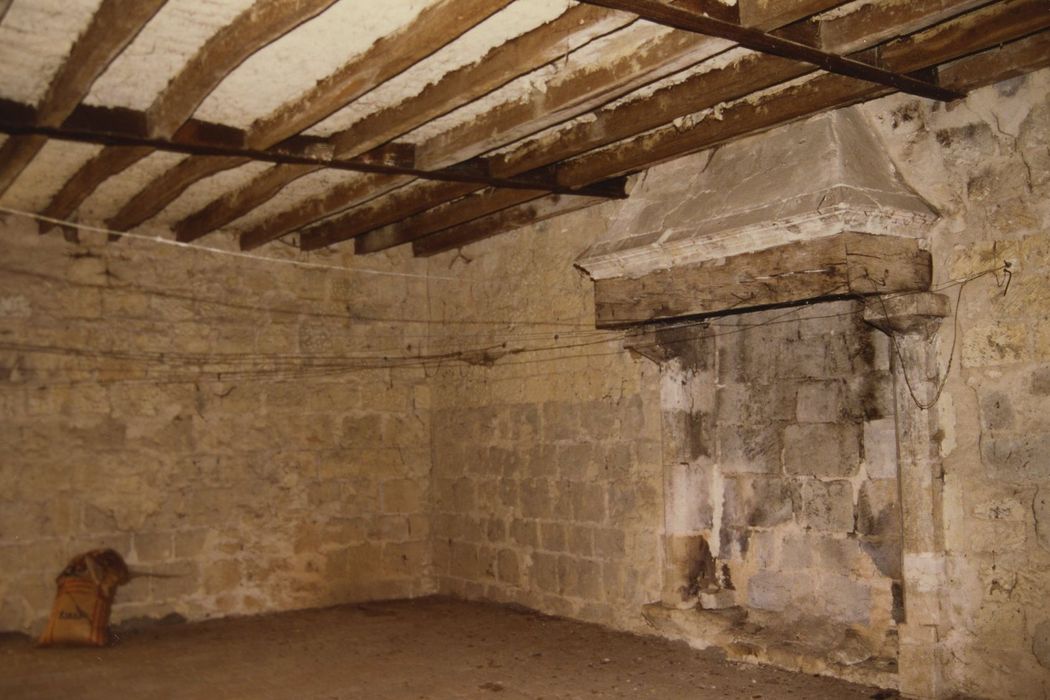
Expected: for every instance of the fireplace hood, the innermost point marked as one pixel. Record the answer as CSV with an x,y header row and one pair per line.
x,y
797,189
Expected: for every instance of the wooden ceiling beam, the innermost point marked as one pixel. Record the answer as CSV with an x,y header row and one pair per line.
x,y
757,40
258,26
750,73
473,206
819,94
436,26
964,35
113,26
769,14
558,101
515,217
499,66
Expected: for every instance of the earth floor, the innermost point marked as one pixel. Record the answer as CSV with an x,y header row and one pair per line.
x,y
432,648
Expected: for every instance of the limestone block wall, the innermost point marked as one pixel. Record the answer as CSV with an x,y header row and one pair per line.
x,y
205,416
985,163
799,495
547,482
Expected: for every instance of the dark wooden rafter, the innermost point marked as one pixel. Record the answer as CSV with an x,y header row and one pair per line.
x,y
5,5
308,153
503,124
253,29
999,24
436,26
499,66
508,219
692,20
563,98
969,33
114,25
737,79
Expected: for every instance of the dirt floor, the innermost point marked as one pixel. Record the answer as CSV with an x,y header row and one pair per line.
x,y
433,648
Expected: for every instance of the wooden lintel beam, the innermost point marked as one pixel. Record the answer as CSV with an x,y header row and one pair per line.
x,y
839,265
113,26
170,112
533,212
757,40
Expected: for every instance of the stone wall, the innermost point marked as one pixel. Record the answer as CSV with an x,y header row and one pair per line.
x,y
786,470
985,163
547,474
201,414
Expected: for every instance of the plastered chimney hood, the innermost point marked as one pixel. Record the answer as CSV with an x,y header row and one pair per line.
x,y
799,182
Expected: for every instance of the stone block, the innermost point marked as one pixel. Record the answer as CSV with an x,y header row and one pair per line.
x,y
994,344
821,402
464,561
749,449
878,509
543,573
535,498
996,411
689,497
588,502
579,462
880,448
1041,643
525,533
401,495
580,540
552,536
688,435
508,567
827,505
757,501
153,546
844,599
221,576
1018,458
1041,513
822,449
771,590
611,543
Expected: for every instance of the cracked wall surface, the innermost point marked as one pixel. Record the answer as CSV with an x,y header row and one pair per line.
x,y
199,414
985,163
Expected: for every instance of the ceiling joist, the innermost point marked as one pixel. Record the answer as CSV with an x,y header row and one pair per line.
x,y
258,26
112,28
549,120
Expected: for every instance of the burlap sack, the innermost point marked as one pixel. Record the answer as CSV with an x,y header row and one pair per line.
x,y
80,614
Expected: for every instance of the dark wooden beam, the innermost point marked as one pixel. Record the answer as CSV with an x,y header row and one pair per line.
x,y
767,14
563,99
5,5
509,219
826,92
229,47
835,266
342,196
962,36
114,25
469,208
437,25
502,64
722,84
757,40
1000,63
373,215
